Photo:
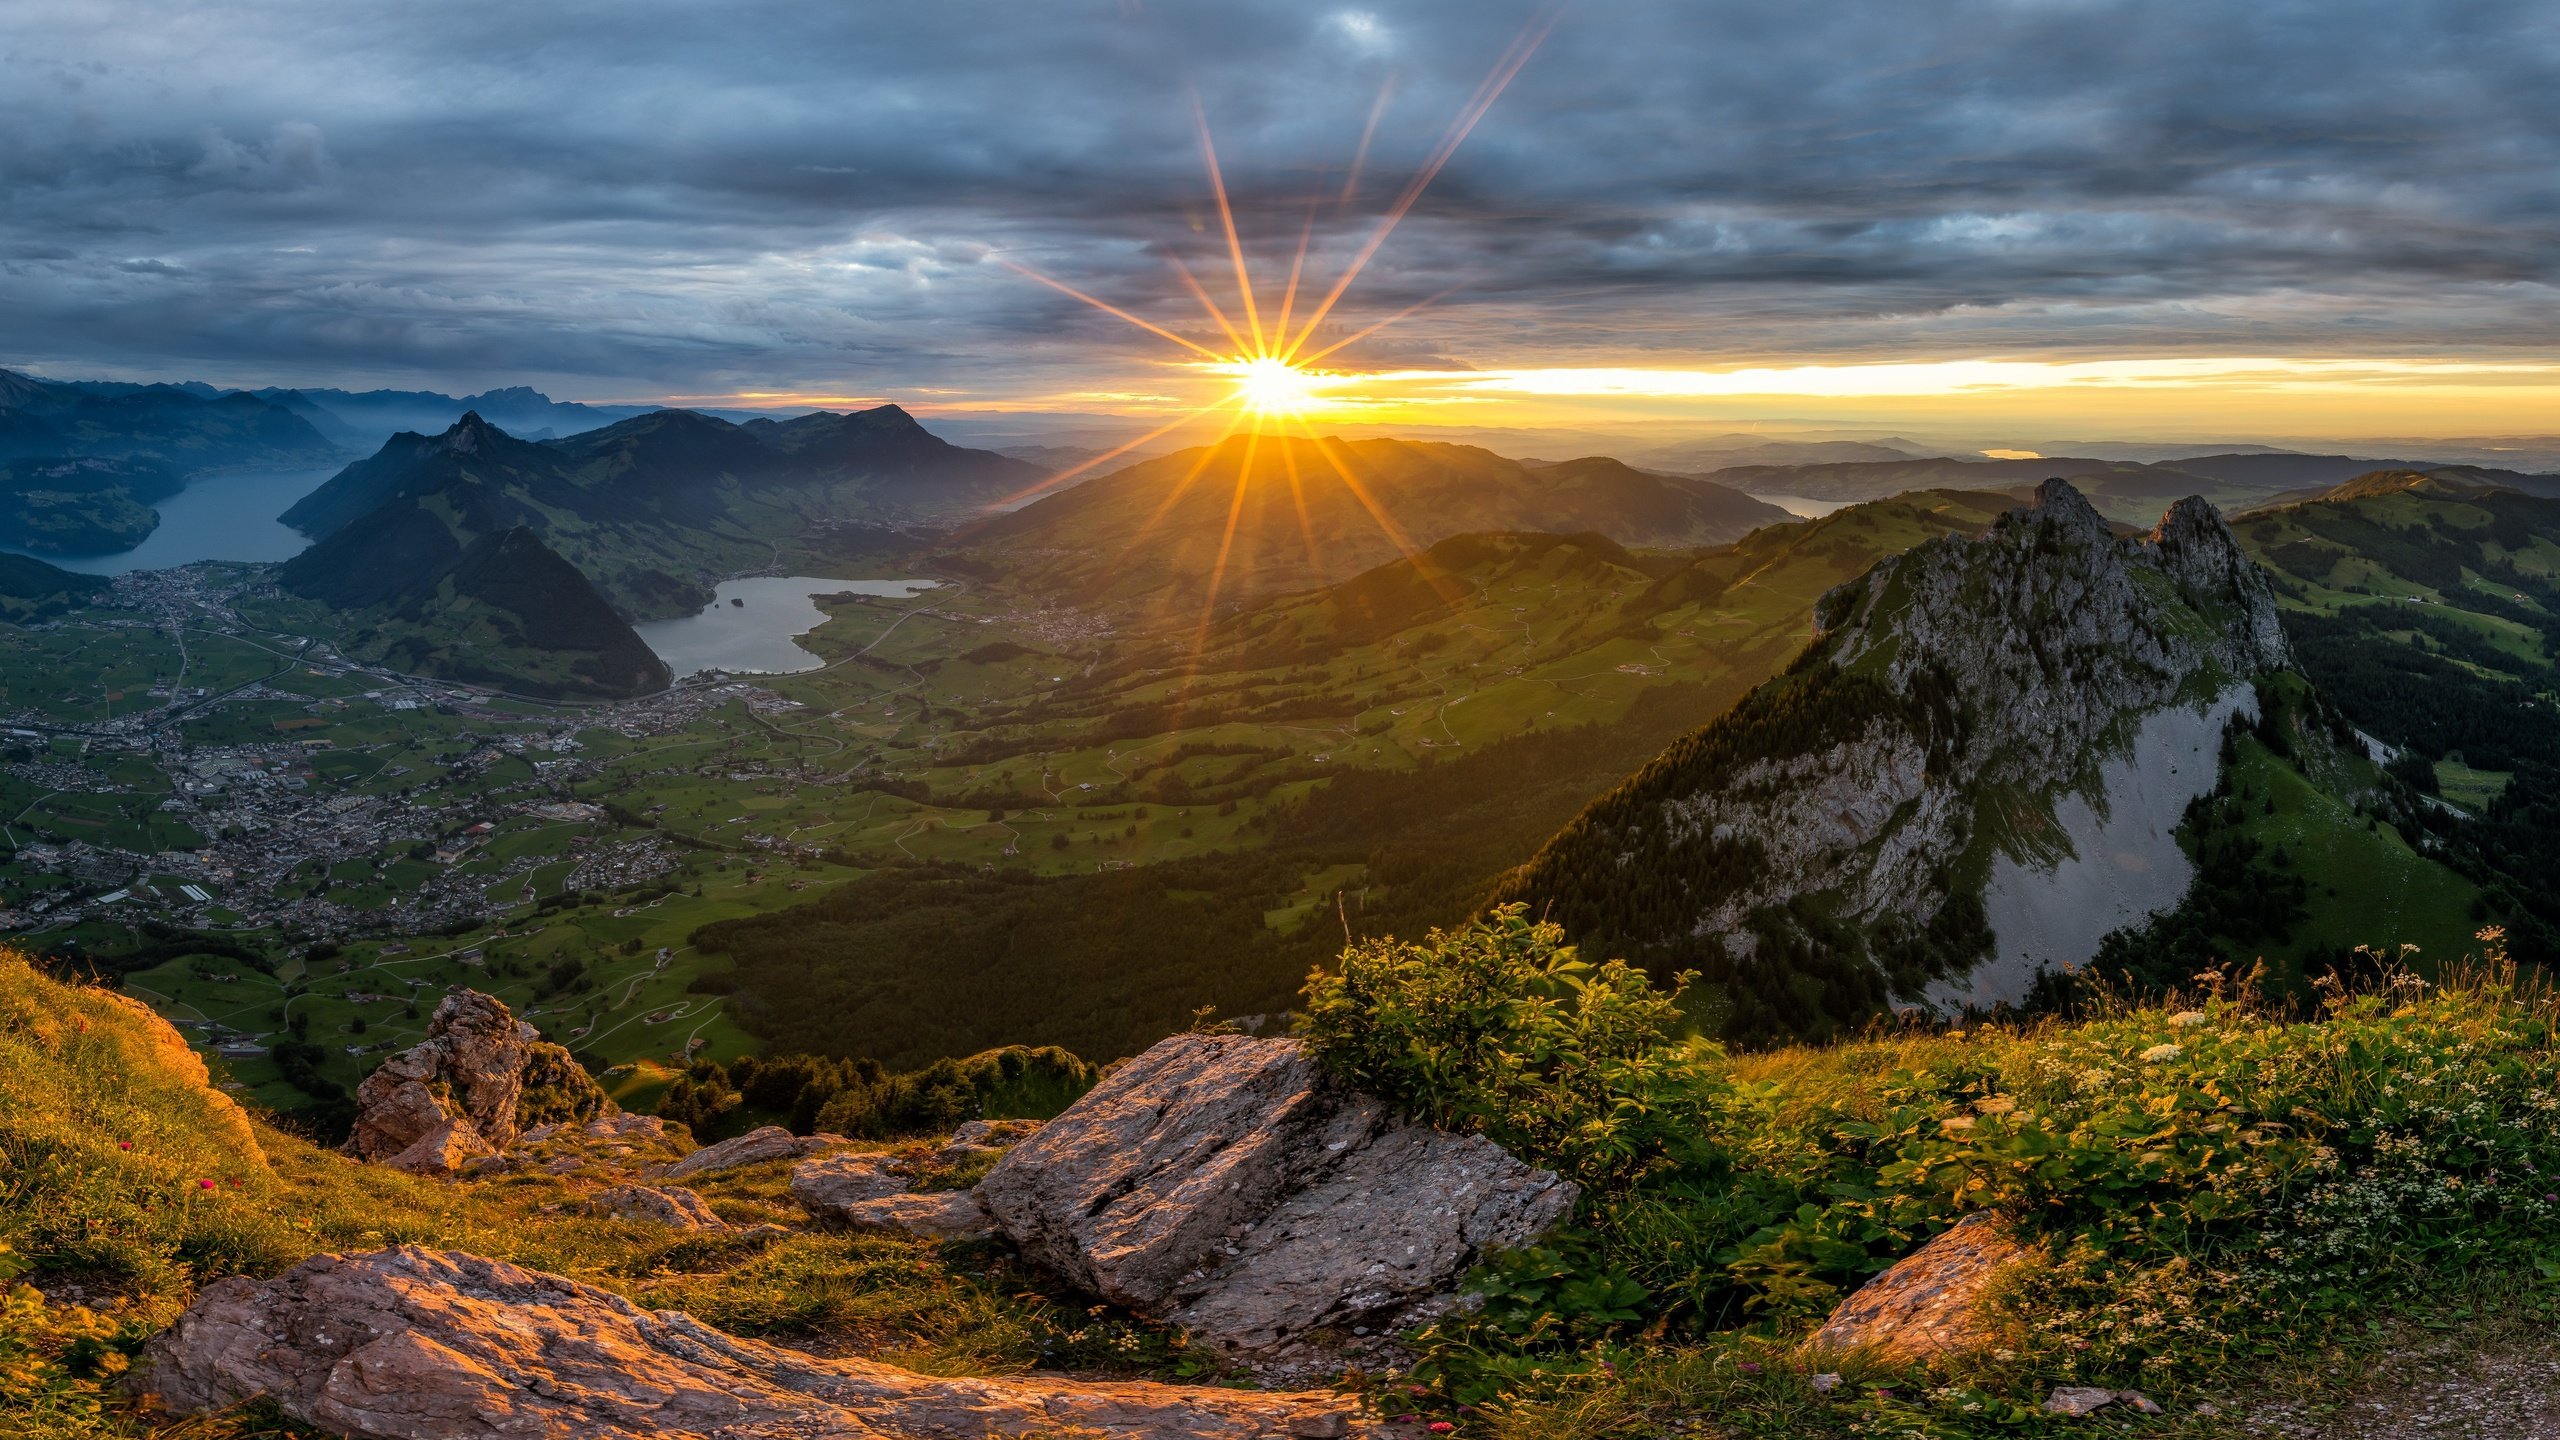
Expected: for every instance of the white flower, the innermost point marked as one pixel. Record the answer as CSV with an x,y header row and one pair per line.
x,y
2188,1019
2158,1053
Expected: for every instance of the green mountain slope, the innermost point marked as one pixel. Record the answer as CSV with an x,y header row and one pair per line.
x,y
1372,756
31,590
449,582
83,506
2427,608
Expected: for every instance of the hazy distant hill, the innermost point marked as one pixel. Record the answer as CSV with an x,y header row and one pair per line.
x,y
654,507
1725,451
2132,491
178,426
1275,514
366,417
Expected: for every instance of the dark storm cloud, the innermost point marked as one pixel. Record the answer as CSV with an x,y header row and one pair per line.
x,y
633,198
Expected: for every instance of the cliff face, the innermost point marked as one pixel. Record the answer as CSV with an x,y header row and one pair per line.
x,y
1829,844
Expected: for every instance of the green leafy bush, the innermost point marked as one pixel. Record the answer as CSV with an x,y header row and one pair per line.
x,y
1498,1027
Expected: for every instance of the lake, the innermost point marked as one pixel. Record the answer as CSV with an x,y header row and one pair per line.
x,y
217,517
1803,507
756,637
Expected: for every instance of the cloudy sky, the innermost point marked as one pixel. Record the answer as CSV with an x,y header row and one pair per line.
x,y
2343,213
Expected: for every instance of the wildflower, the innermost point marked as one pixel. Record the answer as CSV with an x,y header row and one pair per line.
x,y
2188,1019
124,1144
1750,1367
2158,1053
1441,1427
204,1184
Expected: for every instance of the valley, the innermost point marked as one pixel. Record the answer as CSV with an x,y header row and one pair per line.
x,y
1041,799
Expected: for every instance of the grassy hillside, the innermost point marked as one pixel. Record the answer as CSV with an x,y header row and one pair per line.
x,y
2221,1203
31,590
130,1182
2427,608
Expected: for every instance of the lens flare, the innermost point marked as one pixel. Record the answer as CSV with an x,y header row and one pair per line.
x,y
1269,385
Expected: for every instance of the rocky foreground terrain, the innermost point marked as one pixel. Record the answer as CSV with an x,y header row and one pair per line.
x,y
1219,1184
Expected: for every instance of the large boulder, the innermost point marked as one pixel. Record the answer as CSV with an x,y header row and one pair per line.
x,y
1224,1184
414,1344
1928,1307
471,1074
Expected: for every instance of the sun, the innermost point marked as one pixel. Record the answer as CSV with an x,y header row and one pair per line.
x,y
1269,385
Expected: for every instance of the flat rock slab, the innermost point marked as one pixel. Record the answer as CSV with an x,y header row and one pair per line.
x,y
825,1184
1927,1307
936,1215
1222,1183
673,1206
415,1344
753,1148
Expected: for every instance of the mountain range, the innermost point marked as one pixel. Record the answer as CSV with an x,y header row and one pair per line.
x,y
1251,517
170,425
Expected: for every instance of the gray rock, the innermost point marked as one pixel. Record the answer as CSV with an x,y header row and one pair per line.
x,y
414,1344
993,1133
826,1184
936,1215
753,1148
1222,1183
2078,1400
674,1206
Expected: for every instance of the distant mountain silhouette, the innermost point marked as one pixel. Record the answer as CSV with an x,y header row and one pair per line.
x,y
186,428
1155,531
651,508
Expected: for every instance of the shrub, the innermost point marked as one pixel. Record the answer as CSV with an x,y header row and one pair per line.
x,y
1500,1028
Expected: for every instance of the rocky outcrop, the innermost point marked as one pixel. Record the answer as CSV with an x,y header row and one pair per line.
x,y
1958,692
413,1344
753,1148
1223,1184
1928,1307
462,1093
672,1206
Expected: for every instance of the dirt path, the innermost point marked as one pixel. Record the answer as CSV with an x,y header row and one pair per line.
x,y
2459,1387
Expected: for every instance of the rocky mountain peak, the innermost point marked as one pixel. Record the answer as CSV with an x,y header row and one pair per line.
x,y
1960,696
469,434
